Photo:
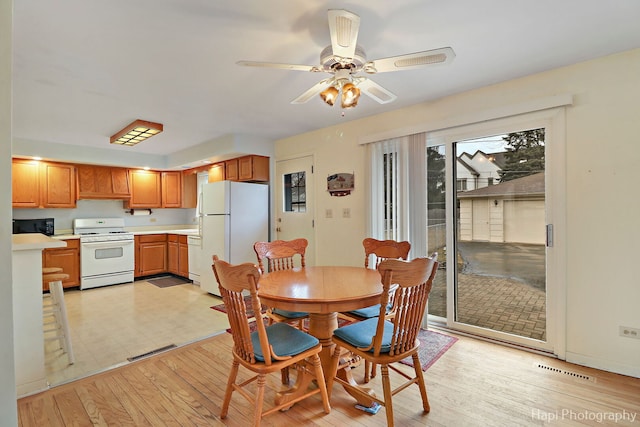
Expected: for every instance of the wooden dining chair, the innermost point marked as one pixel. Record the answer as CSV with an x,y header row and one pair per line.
x,y
280,255
386,341
377,251
269,349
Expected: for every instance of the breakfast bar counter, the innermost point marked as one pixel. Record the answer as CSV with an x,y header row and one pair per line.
x,y
28,335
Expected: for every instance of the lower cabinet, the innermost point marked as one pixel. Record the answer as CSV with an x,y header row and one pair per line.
x,y
66,258
161,253
150,254
178,252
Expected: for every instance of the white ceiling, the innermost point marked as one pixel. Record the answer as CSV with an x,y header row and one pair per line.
x,y
85,69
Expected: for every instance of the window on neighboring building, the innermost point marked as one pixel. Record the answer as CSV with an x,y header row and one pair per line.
x,y
461,184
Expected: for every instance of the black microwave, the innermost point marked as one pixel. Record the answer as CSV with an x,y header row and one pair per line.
x,y
39,225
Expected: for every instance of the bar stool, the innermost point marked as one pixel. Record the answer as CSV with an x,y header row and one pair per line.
x,y
55,310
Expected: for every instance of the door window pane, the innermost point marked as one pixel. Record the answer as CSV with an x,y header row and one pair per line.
x,y
295,192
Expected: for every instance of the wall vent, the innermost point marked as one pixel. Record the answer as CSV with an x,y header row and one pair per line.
x,y
151,353
575,375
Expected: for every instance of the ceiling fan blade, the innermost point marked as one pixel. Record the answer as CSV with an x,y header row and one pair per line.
x,y
375,91
343,27
313,91
411,60
279,66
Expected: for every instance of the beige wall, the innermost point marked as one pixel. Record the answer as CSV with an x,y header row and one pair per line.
x,y
602,154
8,412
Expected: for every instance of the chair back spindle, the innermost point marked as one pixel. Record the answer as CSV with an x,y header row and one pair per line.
x,y
280,254
413,280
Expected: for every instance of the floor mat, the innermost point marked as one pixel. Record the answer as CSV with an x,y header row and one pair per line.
x,y
432,345
168,281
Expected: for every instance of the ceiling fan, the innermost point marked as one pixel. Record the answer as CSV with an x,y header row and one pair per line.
x,y
344,60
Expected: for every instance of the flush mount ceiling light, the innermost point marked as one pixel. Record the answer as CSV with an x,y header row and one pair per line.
x,y
136,132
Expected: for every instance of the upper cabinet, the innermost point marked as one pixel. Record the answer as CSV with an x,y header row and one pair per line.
x,y
189,189
246,168
216,172
38,184
253,168
145,189
231,170
102,182
168,189
25,183
172,189
43,184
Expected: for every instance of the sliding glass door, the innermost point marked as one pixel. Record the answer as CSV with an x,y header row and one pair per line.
x,y
490,220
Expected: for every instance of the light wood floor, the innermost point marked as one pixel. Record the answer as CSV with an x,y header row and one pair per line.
x,y
474,383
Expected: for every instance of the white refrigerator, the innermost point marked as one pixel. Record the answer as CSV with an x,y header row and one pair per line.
x,y
233,216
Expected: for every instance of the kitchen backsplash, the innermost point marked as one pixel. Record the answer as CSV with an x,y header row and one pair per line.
x,y
108,209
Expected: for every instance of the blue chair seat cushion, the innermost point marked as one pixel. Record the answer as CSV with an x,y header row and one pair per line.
x,y
361,334
285,340
290,314
369,312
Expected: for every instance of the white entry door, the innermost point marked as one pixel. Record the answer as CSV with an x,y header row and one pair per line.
x,y
295,202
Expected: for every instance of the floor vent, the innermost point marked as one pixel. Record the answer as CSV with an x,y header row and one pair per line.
x,y
565,372
151,353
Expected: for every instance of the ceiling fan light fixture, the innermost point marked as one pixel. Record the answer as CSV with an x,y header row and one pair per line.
x,y
350,95
137,131
329,95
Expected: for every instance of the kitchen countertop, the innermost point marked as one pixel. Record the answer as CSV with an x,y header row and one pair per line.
x,y
183,231
30,241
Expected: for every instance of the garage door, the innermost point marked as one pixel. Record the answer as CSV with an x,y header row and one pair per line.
x,y
524,221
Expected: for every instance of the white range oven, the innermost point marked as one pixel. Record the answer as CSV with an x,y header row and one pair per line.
x,y
107,254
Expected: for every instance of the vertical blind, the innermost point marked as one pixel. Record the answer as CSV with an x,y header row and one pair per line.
x,y
397,194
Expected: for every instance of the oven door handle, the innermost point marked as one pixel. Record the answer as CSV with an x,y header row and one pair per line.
x,y
107,244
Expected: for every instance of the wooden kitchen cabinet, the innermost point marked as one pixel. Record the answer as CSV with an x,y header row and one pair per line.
x,y
253,168
43,185
189,190
216,172
171,189
66,258
183,257
102,182
146,189
150,254
25,183
58,185
178,254
246,168
231,170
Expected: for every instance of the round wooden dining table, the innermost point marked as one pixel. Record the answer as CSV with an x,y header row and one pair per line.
x,y
322,291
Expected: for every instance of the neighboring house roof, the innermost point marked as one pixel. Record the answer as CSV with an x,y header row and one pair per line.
x,y
527,186
471,170
497,159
